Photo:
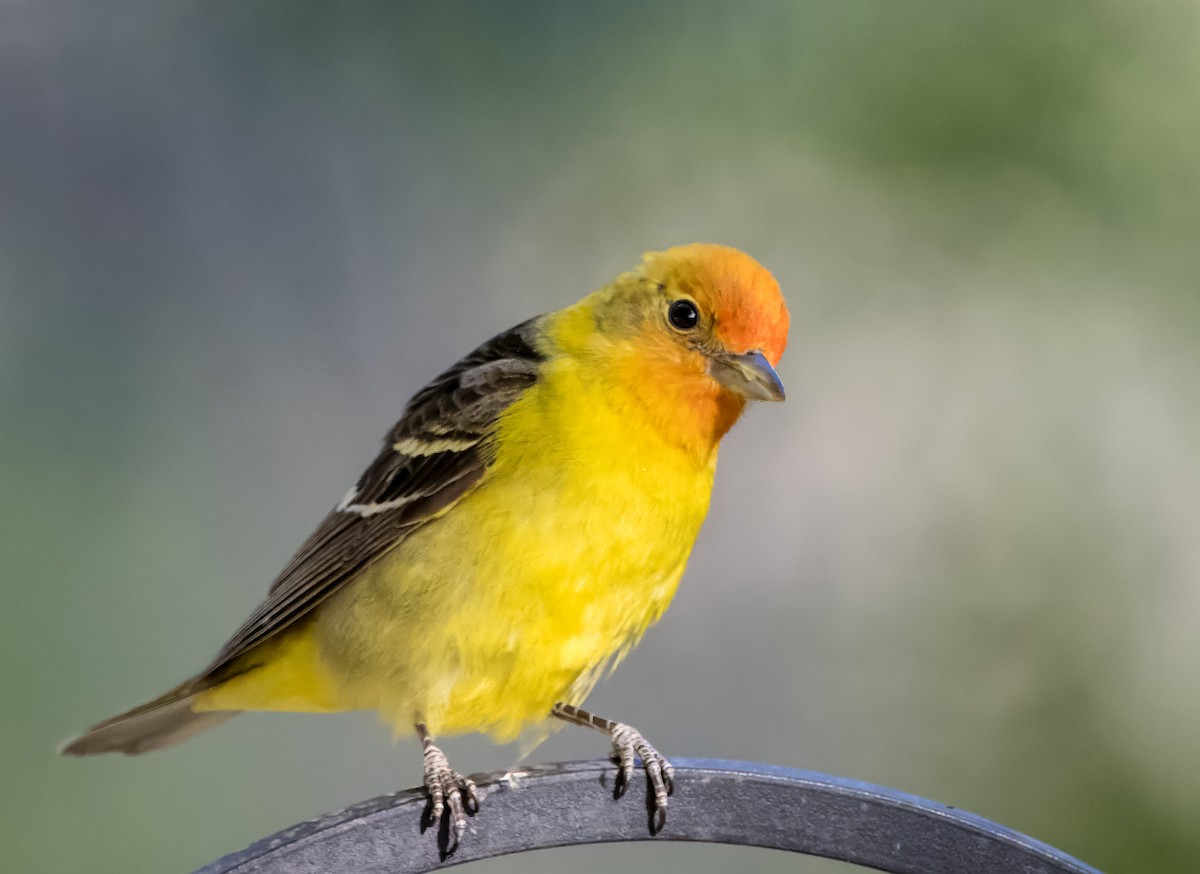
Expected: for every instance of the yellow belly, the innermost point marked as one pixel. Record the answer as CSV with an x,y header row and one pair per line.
x,y
515,599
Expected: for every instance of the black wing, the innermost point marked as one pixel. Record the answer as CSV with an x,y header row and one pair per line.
x,y
433,456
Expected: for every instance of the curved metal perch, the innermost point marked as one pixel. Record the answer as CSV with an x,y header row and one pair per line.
x,y
715,801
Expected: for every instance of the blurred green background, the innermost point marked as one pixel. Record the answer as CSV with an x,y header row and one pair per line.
x,y
962,560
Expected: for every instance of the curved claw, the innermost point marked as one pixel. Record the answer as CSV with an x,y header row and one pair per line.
x,y
628,742
448,791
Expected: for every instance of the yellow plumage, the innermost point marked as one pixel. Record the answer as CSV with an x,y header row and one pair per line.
x,y
517,598
528,518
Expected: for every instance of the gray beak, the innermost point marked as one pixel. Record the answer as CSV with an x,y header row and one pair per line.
x,y
750,375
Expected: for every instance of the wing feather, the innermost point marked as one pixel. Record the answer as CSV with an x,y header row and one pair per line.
x,y
435,454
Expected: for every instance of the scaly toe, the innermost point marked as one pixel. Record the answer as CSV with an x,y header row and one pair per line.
x,y
628,742
449,791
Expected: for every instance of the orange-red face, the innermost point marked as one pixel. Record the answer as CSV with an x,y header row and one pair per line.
x,y
738,302
694,332
721,316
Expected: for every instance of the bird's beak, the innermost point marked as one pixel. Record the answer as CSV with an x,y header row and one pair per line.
x,y
750,375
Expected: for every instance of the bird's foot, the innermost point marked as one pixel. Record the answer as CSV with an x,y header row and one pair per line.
x,y
628,742
448,789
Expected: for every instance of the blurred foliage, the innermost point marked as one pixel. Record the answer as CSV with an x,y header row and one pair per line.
x,y
962,560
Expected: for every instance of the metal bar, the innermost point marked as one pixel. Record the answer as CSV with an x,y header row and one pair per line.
x,y
715,801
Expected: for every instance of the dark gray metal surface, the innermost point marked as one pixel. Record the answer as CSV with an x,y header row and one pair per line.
x,y
714,801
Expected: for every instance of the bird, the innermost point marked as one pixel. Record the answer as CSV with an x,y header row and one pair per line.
x,y
528,518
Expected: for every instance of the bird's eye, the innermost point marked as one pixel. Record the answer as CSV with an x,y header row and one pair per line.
x,y
683,315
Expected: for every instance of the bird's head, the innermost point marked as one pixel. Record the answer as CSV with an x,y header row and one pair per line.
x,y
698,329
719,311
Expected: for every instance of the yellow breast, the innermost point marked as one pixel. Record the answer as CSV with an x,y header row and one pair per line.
x,y
552,568
524,591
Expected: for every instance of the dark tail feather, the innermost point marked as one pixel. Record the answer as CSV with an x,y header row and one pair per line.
x,y
168,719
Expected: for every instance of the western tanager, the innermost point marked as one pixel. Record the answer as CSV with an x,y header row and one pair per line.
x,y
528,518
